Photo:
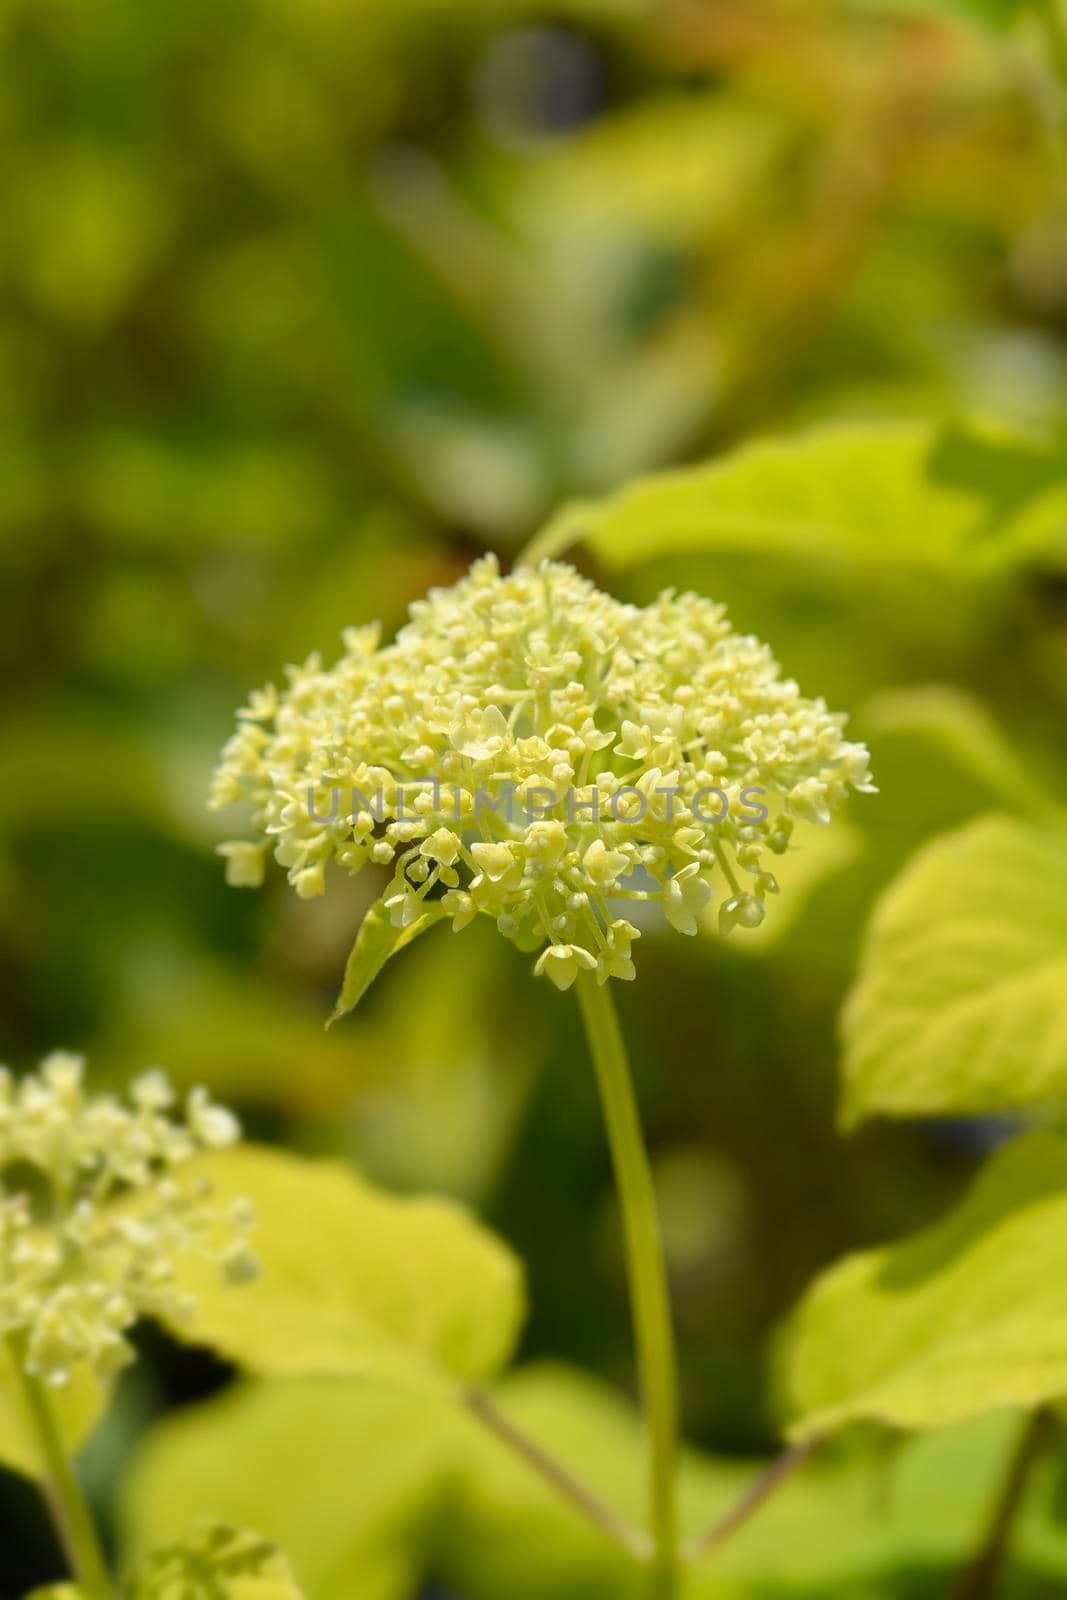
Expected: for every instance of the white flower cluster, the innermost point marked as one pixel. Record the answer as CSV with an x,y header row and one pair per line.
x,y
606,724
93,1218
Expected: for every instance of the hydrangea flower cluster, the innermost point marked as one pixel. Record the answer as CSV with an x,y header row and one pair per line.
x,y
532,749
93,1218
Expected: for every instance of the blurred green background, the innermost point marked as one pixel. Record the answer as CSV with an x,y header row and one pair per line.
x,y
306,302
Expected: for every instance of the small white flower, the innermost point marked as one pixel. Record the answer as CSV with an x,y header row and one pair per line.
x,y
615,959
460,907
152,1090
685,898
741,911
213,1125
498,862
809,800
404,908
310,881
442,846
605,867
563,962
63,1072
245,863
479,735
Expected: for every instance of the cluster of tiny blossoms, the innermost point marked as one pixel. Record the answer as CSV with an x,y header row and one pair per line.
x,y
545,755
93,1218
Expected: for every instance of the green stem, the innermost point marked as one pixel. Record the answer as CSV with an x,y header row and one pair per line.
x,y
744,1508
552,1472
649,1296
62,1493
980,1581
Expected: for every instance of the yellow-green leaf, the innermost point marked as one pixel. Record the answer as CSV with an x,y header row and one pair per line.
x,y
846,1524
355,1281
961,1001
345,1476
947,497
447,1101
966,1317
999,14
376,941
216,1562
371,1491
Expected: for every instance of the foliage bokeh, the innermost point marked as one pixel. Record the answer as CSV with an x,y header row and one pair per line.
x,y
304,306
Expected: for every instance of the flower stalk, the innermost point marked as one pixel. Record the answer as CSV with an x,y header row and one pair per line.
x,y
980,1580
646,1271
62,1493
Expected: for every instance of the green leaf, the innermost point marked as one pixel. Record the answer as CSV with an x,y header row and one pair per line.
x,y
370,1491
216,1562
504,1507
376,941
999,14
447,1102
345,1476
58,1591
941,497
961,1001
354,1281
848,1523
967,1317
78,1406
